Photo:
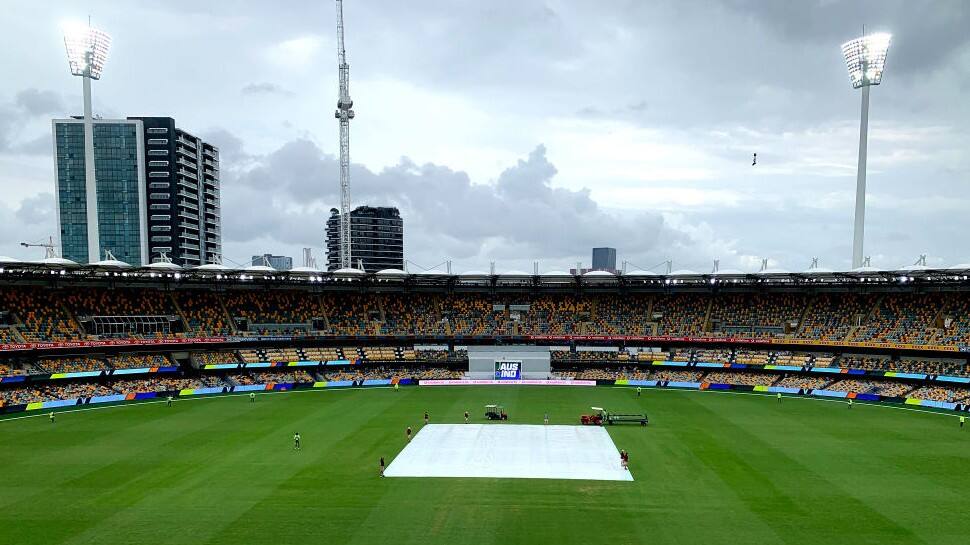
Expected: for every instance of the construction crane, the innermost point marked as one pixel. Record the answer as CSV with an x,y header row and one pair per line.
x,y
50,250
344,114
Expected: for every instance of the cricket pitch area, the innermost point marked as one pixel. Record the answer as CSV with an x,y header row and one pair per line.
x,y
511,451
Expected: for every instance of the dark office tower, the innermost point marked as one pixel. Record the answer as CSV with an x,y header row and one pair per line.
x,y
278,262
182,172
604,259
377,238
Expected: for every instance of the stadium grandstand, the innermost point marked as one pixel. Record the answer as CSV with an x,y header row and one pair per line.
x,y
84,333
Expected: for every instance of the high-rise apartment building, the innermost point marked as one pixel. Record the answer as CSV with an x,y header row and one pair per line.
x,y
376,238
157,188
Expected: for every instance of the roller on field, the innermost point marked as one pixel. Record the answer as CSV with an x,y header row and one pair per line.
x,y
602,416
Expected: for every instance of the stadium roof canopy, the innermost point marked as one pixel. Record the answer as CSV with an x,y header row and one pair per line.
x,y
111,264
305,270
63,270
164,266
728,272
639,273
391,273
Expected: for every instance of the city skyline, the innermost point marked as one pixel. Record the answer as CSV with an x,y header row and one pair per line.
x,y
658,164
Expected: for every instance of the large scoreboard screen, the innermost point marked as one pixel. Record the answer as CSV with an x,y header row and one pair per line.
x,y
508,369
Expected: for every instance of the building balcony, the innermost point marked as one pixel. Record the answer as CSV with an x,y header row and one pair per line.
x,y
188,174
190,164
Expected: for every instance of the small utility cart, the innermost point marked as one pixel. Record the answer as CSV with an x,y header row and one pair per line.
x,y
495,412
602,416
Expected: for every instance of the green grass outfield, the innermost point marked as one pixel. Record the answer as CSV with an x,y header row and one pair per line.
x,y
710,468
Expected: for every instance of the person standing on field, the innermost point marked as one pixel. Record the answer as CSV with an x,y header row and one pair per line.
x,y
963,420
252,397
296,441
466,417
639,391
382,466
426,418
408,433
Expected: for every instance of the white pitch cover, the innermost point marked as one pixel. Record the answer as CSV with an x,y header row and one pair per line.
x,y
510,451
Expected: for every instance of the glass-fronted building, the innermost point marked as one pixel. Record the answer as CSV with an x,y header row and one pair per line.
x,y
278,262
604,259
376,238
120,224
157,191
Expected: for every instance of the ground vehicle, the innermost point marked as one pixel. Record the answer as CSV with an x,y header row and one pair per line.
x,y
602,416
495,412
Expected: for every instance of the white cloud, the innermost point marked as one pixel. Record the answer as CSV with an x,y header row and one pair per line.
x,y
295,53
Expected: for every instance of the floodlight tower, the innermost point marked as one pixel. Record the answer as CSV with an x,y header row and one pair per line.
x,y
865,58
344,114
87,51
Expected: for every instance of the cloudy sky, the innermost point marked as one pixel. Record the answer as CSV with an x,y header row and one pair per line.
x,y
516,131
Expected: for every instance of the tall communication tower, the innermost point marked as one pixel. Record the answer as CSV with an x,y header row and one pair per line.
x,y
344,114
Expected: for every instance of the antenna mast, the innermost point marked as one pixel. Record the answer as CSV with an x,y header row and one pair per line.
x,y
344,114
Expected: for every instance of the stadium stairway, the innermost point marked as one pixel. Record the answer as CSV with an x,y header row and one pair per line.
x,y
229,320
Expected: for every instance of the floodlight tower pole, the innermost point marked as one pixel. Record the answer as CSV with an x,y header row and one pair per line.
x,y
865,58
344,114
858,234
87,50
90,180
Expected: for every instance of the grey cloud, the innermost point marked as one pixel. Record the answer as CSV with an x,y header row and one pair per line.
x,y
927,33
36,102
27,107
230,146
522,215
265,88
31,221
41,145
37,210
